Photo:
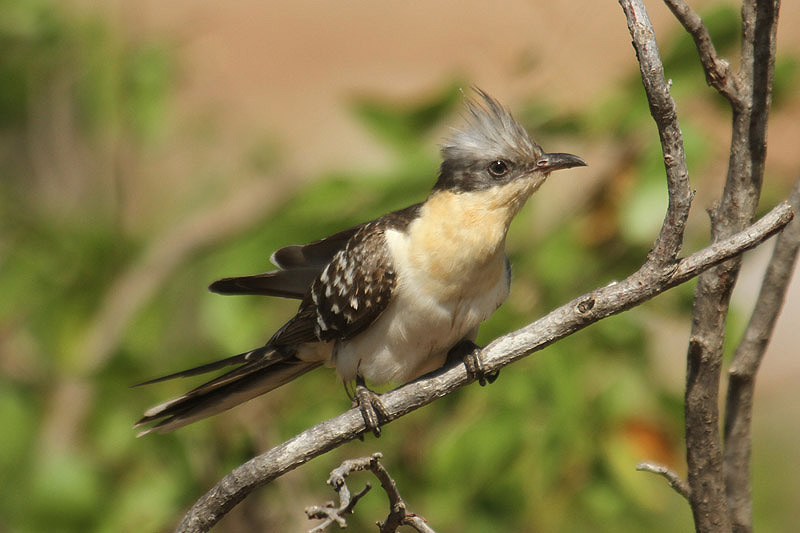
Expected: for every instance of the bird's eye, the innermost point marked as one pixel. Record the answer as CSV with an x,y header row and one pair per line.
x,y
498,168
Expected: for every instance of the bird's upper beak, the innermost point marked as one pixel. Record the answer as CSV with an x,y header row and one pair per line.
x,y
557,161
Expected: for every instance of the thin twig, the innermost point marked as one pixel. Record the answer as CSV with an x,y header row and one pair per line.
x,y
569,318
662,107
398,515
418,523
397,507
718,71
680,486
743,369
331,513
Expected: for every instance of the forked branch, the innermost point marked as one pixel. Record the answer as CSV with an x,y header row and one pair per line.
x,y
717,70
398,516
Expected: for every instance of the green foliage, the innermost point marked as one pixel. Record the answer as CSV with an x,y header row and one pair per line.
x,y
402,127
784,84
724,24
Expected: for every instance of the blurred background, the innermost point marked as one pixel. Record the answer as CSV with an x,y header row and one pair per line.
x,y
149,148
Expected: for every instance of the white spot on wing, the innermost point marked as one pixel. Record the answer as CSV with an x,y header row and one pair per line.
x,y
321,322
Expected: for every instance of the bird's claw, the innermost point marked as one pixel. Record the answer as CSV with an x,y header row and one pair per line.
x,y
470,354
371,407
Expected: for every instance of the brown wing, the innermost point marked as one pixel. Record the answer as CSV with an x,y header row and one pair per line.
x,y
316,254
301,264
349,294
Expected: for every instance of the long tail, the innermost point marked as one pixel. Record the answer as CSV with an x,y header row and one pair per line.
x,y
261,371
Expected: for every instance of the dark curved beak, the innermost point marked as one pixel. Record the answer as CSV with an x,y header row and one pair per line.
x,y
557,161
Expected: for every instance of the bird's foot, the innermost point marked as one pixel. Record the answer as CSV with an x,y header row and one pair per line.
x,y
470,353
371,406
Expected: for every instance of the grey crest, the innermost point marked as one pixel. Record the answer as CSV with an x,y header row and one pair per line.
x,y
490,132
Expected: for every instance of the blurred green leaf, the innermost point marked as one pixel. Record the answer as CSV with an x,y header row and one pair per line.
x,y
402,127
784,80
146,86
66,488
723,22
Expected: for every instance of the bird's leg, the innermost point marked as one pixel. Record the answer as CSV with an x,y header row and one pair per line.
x,y
371,407
470,353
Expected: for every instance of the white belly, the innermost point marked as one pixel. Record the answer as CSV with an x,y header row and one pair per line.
x,y
421,324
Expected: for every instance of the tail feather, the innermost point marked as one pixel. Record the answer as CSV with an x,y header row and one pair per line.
x,y
253,361
283,283
209,367
224,392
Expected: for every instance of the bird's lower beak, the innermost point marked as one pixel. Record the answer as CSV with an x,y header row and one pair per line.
x,y
557,161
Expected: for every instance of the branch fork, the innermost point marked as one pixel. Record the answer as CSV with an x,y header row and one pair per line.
x,y
397,507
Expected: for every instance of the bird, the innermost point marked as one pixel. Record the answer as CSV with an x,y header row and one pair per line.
x,y
390,299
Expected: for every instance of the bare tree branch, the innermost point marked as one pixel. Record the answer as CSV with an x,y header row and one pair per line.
x,y
742,373
680,486
347,504
662,107
712,296
575,315
397,507
718,72
705,466
330,514
397,514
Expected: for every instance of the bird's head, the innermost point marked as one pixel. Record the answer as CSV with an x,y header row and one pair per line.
x,y
493,151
